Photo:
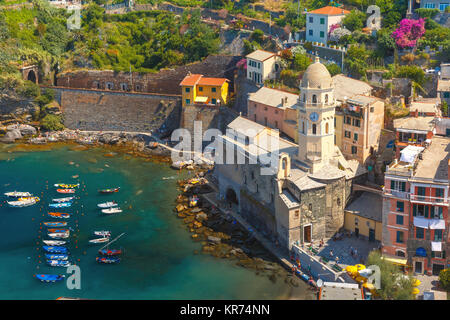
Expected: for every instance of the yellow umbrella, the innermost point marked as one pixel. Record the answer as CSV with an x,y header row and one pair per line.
x,y
360,266
351,269
368,286
360,279
415,291
416,282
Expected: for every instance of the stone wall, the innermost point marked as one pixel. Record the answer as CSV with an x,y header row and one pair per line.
x,y
164,82
119,111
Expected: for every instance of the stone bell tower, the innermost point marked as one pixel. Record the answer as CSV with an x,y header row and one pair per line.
x,y
316,110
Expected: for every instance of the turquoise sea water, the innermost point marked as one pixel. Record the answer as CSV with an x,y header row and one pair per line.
x,y
159,260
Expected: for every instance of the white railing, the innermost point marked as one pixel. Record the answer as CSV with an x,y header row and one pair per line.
x,y
429,199
396,193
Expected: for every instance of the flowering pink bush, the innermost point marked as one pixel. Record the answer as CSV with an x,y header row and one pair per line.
x,y
242,64
333,27
408,32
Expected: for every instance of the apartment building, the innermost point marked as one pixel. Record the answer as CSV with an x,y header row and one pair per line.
x,y
197,89
415,207
261,66
319,21
413,131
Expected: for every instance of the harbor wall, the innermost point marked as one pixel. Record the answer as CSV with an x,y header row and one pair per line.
x,y
119,111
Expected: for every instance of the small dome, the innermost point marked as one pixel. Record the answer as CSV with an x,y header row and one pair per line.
x,y
316,76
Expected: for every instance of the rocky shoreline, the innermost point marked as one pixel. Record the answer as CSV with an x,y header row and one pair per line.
x,y
223,237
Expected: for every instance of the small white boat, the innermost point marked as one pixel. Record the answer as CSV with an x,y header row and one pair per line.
x,y
103,233
111,210
99,240
22,203
17,194
54,242
67,199
58,263
108,204
59,235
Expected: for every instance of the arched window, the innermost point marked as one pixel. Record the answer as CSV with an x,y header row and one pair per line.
x,y
303,127
304,98
326,98
314,98
400,253
314,128
326,128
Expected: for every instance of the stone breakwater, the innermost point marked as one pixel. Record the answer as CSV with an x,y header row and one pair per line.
x,y
223,237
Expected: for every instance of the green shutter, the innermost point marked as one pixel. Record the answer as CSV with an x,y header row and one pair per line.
x,y
443,254
392,185
432,253
427,213
441,215
414,210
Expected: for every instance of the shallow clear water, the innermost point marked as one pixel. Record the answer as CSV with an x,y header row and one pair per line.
x,y
159,260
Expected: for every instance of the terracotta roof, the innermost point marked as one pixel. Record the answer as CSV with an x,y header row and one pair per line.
x,y
190,80
330,11
198,79
212,81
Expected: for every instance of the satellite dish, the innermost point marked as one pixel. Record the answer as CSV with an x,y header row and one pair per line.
x,y
319,283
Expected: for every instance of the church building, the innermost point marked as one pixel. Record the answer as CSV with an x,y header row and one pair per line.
x,y
302,198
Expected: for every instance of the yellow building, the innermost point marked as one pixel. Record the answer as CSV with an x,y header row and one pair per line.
x,y
338,124
363,216
196,89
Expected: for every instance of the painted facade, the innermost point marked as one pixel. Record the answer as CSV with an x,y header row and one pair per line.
x,y
199,90
261,66
318,22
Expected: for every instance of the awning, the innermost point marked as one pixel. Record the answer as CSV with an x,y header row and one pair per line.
x,y
201,99
410,153
437,224
421,252
436,246
400,262
420,222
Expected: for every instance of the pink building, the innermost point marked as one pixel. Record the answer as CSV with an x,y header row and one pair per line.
x,y
275,109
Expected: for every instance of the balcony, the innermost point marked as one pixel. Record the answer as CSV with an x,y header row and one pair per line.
x,y
429,199
396,194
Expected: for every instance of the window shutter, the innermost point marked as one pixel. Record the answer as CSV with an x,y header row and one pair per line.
x,y
443,254
392,185
427,213
441,215
432,253
414,210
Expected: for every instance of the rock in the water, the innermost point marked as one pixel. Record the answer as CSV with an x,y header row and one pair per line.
x,y
11,136
214,239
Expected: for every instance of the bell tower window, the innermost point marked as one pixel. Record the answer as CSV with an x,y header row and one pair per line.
x,y
314,128
314,98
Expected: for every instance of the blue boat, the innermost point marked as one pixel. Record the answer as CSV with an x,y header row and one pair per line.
x,y
60,256
60,205
108,260
58,263
55,224
49,277
54,249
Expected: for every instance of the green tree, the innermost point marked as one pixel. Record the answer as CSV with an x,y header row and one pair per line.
x,y
354,20
257,36
333,69
52,122
394,284
444,109
444,278
356,60
415,73
301,62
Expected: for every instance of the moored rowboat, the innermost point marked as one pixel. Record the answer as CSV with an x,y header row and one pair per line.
x,y
53,256
112,210
99,240
55,249
67,199
55,224
59,235
66,186
49,277
65,190
58,263
107,260
60,205
17,194
109,190
59,215
108,204
112,252
54,242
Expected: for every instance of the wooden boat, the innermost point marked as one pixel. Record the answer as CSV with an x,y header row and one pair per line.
x,y
65,190
58,263
109,190
49,277
66,186
103,233
54,242
111,252
99,240
111,210
59,235
37,199
17,194
55,224
58,230
107,260
55,256
60,205
55,249
108,204
59,215
67,199
21,204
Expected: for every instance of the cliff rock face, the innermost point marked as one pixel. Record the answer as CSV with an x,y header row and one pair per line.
x,y
10,104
